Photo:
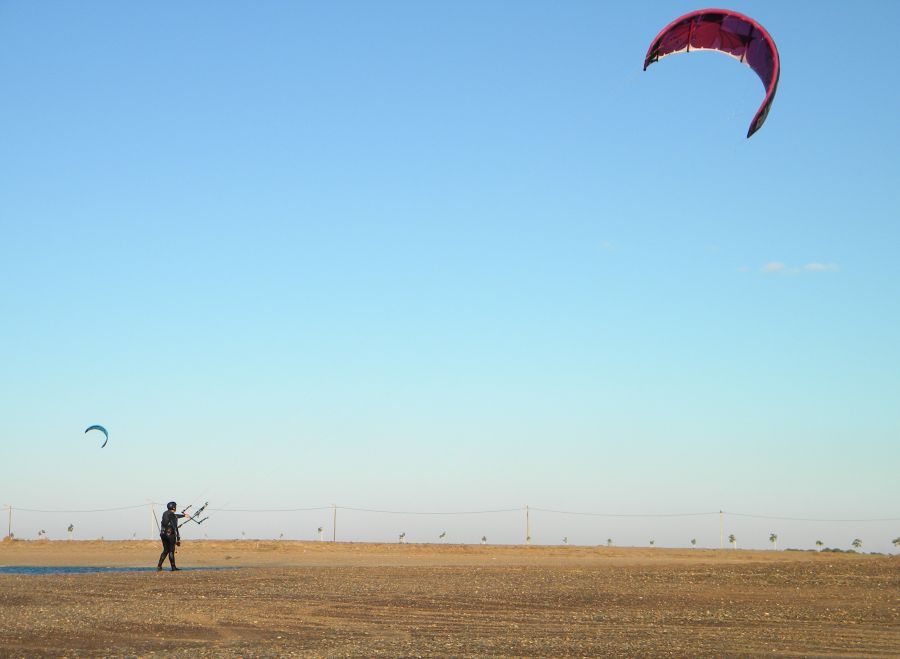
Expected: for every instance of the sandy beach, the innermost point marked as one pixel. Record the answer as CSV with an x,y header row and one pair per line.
x,y
347,599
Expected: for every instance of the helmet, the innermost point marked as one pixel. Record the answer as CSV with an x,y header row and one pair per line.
x,y
171,505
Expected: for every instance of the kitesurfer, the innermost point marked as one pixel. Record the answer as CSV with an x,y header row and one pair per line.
x,y
168,533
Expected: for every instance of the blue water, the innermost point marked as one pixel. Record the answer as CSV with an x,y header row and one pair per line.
x,y
71,569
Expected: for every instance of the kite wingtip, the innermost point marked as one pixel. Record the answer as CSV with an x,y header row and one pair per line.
x,y
755,126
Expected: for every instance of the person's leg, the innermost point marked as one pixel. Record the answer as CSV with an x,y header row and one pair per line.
x,y
172,553
162,556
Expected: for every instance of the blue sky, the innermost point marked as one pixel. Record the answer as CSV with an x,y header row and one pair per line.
x,y
448,256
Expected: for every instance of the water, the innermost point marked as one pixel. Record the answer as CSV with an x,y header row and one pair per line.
x,y
72,569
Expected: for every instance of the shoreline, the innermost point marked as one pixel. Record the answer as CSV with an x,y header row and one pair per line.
x,y
292,553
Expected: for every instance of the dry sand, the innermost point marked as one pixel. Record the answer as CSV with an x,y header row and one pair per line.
x,y
346,599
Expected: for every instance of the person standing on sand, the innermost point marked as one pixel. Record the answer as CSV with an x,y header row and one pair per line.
x,y
168,533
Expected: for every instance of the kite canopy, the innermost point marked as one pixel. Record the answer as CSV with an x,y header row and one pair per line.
x,y
727,32
101,429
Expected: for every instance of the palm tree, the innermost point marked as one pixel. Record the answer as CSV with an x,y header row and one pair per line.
x,y
484,539
71,530
896,542
857,543
652,542
442,536
609,542
819,544
321,536
732,540
566,540
402,536
773,538
693,542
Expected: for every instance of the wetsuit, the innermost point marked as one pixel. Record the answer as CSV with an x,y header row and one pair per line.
x,y
168,533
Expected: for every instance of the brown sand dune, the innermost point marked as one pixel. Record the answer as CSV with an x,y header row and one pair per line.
x,y
349,599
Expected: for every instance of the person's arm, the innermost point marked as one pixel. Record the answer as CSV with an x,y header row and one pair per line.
x,y
178,516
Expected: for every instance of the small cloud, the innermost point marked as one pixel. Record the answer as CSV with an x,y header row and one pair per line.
x,y
607,245
821,267
777,267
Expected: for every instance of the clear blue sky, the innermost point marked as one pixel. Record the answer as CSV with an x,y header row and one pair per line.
x,y
449,256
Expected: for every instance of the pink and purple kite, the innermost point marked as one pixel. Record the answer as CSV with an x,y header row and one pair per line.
x,y
727,32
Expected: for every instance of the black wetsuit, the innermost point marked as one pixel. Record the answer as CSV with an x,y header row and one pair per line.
x,y
168,533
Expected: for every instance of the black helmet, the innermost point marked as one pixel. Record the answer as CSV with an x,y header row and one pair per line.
x,y
171,505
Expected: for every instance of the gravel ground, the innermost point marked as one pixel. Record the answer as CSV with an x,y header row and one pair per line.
x,y
323,599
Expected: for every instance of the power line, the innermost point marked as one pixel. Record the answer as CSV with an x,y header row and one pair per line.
x,y
417,512
96,510
266,510
472,512
813,519
589,514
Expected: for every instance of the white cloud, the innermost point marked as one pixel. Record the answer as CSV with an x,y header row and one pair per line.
x,y
777,267
821,267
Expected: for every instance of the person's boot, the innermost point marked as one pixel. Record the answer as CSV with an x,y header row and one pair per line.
x,y
159,568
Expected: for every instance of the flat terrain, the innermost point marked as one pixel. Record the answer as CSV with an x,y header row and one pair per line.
x,y
345,599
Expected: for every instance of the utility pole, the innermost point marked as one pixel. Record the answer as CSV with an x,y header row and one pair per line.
x,y
334,522
527,526
721,530
9,528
